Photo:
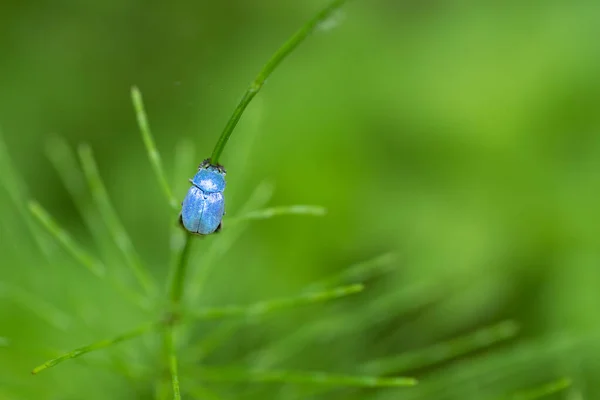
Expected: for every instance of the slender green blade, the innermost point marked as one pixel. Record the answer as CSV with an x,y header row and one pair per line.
x,y
298,209
359,272
172,361
153,154
88,261
286,49
95,346
64,161
61,235
111,219
225,374
544,390
444,351
264,307
17,192
179,241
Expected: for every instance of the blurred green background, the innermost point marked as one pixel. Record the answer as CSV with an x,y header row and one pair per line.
x,y
462,137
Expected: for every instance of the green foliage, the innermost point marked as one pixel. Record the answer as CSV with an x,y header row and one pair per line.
x,y
94,346
452,148
110,218
542,391
153,154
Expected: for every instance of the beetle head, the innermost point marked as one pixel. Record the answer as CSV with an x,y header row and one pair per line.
x,y
210,178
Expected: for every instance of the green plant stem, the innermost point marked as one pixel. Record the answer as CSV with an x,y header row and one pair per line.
x,y
94,265
95,346
17,191
153,154
225,374
541,391
269,67
178,277
176,291
172,361
177,283
267,213
112,221
264,307
444,351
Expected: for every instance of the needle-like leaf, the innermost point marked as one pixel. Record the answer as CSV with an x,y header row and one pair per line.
x,y
153,154
444,351
61,235
172,361
111,219
315,211
302,377
96,346
264,307
539,392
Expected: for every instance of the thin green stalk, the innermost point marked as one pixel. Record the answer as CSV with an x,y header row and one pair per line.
x,y
297,209
178,279
224,374
541,391
88,261
17,192
291,344
359,272
440,352
251,129
494,369
65,162
184,158
96,346
172,361
269,67
176,292
295,342
94,265
246,313
111,219
180,252
153,154
264,307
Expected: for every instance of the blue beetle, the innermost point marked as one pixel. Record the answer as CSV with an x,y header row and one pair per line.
x,y
204,205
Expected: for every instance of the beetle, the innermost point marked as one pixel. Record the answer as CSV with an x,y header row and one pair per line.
x,y
204,206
